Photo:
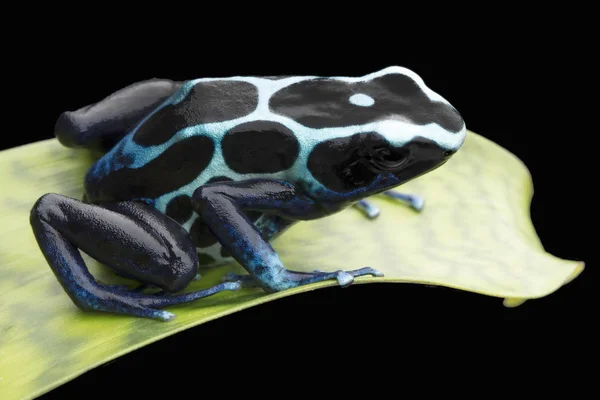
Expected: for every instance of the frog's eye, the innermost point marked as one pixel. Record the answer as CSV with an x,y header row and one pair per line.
x,y
387,158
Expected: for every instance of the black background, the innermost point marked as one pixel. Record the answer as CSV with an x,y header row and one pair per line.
x,y
510,90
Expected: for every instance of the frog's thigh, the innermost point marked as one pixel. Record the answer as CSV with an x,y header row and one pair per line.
x,y
152,248
103,124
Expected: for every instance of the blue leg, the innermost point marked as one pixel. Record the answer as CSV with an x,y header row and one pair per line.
x,y
131,238
222,206
269,227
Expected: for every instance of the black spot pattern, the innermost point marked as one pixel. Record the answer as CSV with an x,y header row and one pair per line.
x,y
260,147
180,208
214,101
201,235
177,166
325,102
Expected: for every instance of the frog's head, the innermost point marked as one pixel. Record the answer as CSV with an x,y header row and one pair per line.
x,y
398,130
367,163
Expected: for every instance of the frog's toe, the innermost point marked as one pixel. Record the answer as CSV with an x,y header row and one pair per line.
x,y
346,278
368,209
418,203
361,272
138,304
414,201
367,271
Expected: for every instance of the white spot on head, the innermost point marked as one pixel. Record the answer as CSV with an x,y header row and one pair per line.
x,y
362,100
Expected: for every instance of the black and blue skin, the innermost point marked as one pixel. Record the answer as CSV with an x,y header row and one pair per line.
x,y
203,172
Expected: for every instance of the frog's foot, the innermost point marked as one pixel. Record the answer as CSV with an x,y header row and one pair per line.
x,y
291,279
295,279
98,298
412,200
170,261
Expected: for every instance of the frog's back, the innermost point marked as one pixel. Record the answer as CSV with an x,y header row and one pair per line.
x,y
245,127
210,129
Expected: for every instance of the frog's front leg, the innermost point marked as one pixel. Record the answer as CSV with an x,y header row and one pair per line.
x,y
222,207
371,211
131,238
269,227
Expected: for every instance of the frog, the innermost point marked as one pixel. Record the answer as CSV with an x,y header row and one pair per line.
x,y
201,172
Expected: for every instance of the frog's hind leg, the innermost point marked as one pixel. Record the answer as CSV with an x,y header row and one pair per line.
x,y
103,124
129,237
371,211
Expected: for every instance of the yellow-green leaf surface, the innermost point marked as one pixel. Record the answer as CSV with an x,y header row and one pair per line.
x,y
474,234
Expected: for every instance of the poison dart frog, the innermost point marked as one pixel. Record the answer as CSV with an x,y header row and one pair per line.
x,y
206,171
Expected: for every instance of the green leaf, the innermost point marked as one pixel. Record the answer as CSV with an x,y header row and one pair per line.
x,y
474,234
